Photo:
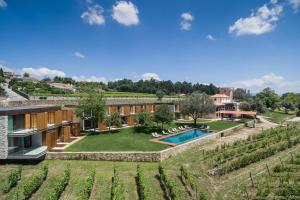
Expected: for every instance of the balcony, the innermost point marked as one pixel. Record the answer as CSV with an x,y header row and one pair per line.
x,y
27,153
22,132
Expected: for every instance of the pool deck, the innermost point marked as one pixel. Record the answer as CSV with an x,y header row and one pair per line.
x,y
158,140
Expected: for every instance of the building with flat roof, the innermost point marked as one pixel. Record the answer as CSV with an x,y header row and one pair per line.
x,y
27,132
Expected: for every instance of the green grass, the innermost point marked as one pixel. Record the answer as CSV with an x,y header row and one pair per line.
x,y
215,126
278,116
133,139
124,140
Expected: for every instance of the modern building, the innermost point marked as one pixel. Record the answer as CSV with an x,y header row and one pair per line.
x,y
27,132
128,111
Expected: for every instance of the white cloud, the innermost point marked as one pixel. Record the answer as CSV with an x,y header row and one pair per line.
x,y
273,1
125,13
94,15
89,79
186,19
259,22
3,4
210,37
187,16
149,76
79,55
43,72
295,4
277,82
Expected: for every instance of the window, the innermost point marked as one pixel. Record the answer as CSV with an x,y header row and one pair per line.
x,y
132,109
51,116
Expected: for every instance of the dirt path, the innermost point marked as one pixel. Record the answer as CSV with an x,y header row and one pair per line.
x,y
243,133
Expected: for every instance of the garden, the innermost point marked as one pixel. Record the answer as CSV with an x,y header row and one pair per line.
x,y
135,139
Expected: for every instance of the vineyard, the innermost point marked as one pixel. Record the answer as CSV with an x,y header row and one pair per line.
x,y
265,165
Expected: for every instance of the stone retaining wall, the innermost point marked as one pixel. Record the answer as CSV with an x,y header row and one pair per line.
x,y
3,137
107,156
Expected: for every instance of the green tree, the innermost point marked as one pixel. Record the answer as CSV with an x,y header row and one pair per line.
x,y
269,98
245,106
241,94
143,118
1,73
91,106
26,75
258,105
163,115
160,94
197,105
298,108
288,106
113,120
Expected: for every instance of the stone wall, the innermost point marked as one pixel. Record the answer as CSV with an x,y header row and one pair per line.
x,y
107,156
3,137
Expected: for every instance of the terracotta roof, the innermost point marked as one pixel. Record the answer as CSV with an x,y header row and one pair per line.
x,y
219,96
237,112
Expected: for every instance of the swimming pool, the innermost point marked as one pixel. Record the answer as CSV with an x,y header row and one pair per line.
x,y
186,136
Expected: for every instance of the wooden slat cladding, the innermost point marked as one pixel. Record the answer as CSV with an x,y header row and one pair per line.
x,y
67,115
76,129
58,117
130,120
49,138
27,121
41,121
102,126
126,110
33,120
51,117
66,133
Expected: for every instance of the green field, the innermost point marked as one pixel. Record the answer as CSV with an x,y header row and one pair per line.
x,y
228,186
278,116
133,139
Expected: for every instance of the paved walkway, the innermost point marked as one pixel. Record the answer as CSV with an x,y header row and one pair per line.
x,y
243,133
12,96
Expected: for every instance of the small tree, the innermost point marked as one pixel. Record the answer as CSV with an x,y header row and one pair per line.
x,y
163,115
91,105
26,75
298,108
1,73
197,105
143,118
113,120
245,106
160,94
287,105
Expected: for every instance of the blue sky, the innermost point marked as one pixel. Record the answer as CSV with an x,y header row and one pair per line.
x,y
249,43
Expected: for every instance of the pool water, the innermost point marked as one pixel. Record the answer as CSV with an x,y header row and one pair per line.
x,y
186,136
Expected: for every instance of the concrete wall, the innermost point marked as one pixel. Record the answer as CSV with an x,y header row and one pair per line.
x,y
3,137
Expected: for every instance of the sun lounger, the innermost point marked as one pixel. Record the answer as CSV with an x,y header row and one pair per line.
x,y
154,135
186,126
171,132
165,133
176,130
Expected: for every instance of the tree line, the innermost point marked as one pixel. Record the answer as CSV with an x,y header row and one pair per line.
x,y
266,100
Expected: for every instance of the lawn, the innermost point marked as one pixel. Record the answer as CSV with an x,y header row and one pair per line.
x,y
132,139
124,140
278,116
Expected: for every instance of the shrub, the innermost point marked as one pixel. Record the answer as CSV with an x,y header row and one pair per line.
x,y
171,187
33,183
13,178
141,184
60,185
116,189
87,187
